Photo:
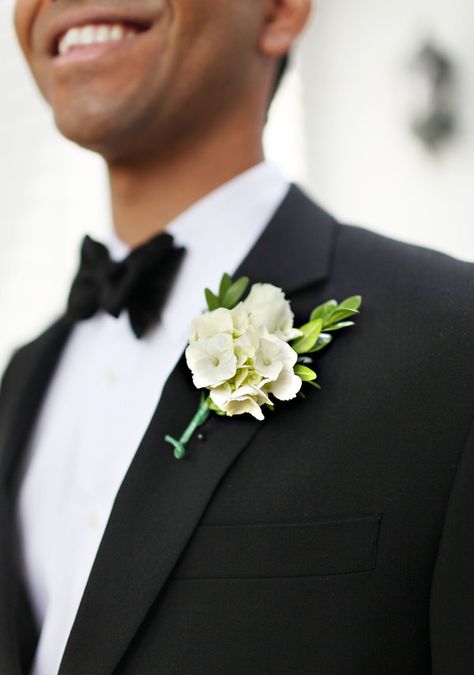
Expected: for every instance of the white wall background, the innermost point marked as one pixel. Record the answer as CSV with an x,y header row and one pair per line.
x,y
340,127
358,96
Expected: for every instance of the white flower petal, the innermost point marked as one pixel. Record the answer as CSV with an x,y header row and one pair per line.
x,y
246,399
267,307
286,354
286,387
240,319
269,359
211,323
221,395
246,345
212,360
245,405
291,334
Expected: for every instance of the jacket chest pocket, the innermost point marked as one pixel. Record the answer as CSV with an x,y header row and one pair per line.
x,y
281,550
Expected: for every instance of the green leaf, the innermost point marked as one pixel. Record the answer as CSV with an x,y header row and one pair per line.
x,y
323,311
338,326
306,374
340,314
235,292
347,309
226,283
315,385
323,341
354,302
310,335
212,300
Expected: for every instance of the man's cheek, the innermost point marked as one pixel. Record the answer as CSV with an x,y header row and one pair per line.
x,y
27,19
25,15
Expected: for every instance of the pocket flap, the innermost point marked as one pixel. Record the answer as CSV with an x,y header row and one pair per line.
x,y
281,550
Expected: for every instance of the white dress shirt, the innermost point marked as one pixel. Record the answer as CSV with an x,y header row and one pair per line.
x,y
102,397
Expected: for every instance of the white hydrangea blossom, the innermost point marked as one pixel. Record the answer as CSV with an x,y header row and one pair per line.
x,y
242,356
267,307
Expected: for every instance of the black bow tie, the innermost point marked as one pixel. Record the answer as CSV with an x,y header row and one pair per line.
x,y
139,283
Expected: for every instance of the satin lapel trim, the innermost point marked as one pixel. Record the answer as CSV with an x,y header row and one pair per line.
x,y
32,370
162,500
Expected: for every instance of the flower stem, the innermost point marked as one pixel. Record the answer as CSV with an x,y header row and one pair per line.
x,y
199,418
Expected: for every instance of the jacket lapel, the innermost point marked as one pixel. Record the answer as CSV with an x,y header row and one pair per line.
x,y
9,638
295,250
33,368
161,500
31,371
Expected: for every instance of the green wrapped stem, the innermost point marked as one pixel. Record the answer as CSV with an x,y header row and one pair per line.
x,y
199,418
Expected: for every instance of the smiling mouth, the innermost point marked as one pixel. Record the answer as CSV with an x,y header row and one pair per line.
x,y
80,39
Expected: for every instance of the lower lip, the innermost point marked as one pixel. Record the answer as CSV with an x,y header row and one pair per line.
x,y
84,53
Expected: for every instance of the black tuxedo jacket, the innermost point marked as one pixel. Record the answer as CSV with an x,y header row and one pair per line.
x,y
335,538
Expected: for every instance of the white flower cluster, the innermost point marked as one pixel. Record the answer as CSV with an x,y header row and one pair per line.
x,y
242,356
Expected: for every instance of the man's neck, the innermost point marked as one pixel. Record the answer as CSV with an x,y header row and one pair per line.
x,y
147,196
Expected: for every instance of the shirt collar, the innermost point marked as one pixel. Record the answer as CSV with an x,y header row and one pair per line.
x,y
248,193
233,211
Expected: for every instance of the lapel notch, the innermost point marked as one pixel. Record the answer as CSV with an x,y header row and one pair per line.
x,y
295,250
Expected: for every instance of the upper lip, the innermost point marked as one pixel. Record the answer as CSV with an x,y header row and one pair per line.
x,y
81,18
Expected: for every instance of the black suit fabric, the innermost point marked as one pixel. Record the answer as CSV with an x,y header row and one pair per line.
x,y
335,538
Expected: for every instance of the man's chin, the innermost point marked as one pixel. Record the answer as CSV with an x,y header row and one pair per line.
x,y
95,132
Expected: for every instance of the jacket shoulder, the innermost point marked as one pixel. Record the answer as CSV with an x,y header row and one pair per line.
x,y
423,292
427,276
374,244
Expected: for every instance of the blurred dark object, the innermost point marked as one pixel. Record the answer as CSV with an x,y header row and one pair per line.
x,y
434,121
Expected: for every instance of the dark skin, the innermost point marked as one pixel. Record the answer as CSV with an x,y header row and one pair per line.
x,y
177,110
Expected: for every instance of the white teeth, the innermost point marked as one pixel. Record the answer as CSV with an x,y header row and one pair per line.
x,y
102,34
93,34
87,35
117,32
71,38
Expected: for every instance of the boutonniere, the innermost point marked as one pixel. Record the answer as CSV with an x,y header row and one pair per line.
x,y
246,354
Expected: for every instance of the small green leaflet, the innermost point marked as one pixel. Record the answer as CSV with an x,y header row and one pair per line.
x,y
235,292
307,341
230,293
212,300
306,374
331,313
323,311
324,319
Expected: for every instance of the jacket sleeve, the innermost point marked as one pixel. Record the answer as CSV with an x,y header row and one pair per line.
x,y
452,591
